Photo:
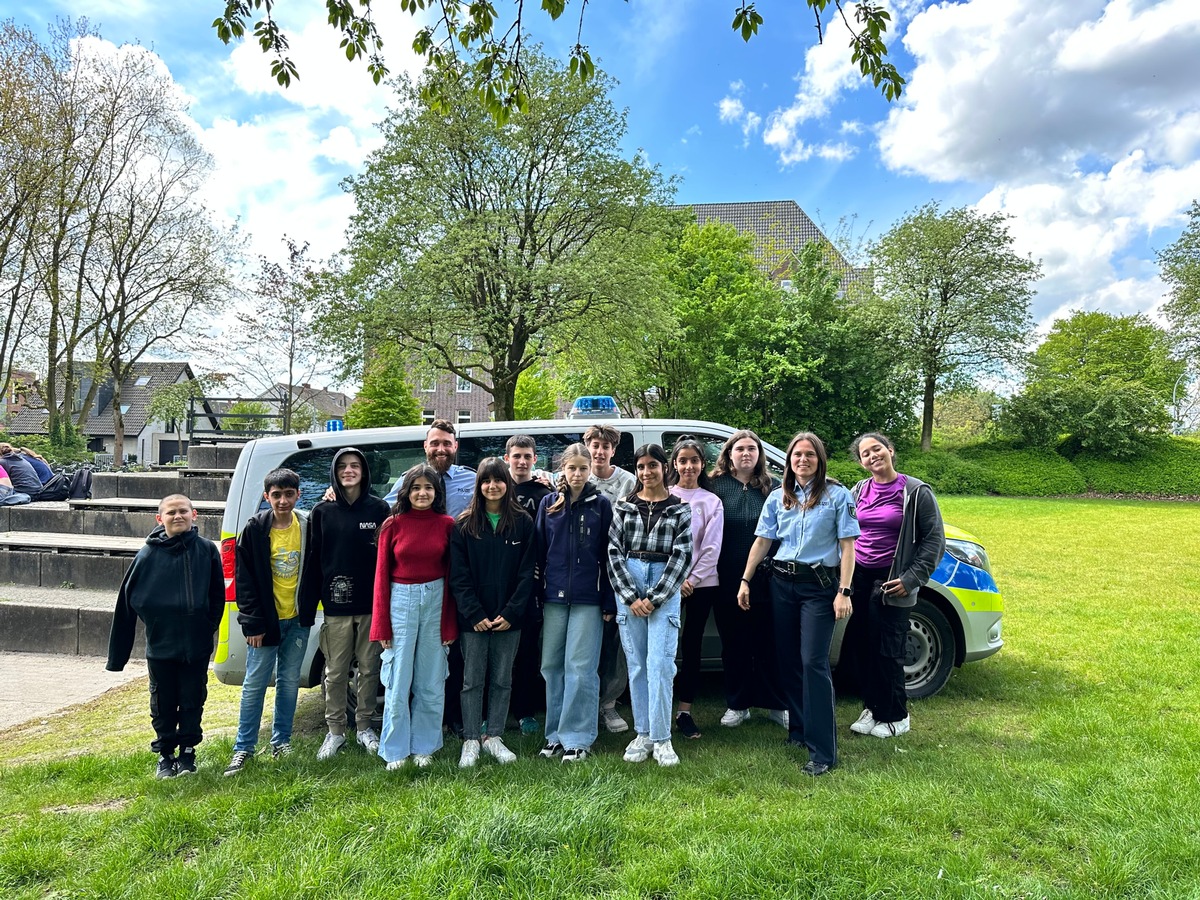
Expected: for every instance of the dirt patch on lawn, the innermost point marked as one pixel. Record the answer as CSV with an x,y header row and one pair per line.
x,y
103,806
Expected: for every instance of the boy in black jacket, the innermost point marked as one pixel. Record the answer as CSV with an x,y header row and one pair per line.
x,y
270,553
176,587
339,572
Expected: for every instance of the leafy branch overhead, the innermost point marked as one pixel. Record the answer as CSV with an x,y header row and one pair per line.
x,y
457,32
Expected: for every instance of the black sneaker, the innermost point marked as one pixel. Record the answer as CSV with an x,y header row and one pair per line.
x,y
816,769
238,762
166,767
686,725
186,764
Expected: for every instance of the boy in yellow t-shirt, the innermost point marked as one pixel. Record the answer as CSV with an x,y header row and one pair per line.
x,y
270,553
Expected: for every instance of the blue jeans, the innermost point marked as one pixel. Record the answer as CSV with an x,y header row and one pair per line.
x,y
571,637
650,643
414,666
261,663
804,621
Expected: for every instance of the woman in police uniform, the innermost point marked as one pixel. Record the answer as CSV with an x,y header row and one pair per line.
x,y
813,519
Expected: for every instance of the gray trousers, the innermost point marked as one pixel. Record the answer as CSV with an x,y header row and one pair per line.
x,y
614,673
343,639
487,659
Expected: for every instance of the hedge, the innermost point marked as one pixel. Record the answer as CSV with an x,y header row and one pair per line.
x,y
1028,473
1170,469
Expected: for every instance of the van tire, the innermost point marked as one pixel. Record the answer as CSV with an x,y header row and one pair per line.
x,y
929,650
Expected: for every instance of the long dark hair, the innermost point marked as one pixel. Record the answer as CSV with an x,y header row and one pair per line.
x,y
687,442
760,478
420,470
654,451
473,519
817,487
560,484
872,435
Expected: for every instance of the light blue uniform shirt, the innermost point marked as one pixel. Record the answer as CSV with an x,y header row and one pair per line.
x,y
809,535
459,482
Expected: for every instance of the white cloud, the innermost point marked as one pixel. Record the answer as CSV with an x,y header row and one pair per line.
x,y
1079,119
731,109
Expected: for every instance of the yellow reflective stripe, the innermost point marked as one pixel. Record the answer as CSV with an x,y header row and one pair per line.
x,y
222,653
979,601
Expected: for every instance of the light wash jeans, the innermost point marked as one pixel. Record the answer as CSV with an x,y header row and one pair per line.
x,y
650,643
415,665
261,663
571,637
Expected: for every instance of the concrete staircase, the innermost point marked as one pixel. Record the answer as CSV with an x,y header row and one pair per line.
x,y
61,564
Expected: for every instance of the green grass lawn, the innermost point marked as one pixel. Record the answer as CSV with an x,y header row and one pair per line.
x,y
1065,766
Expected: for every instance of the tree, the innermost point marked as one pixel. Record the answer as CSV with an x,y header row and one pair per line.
x,y
386,397
23,175
485,248
742,350
172,402
276,336
954,295
965,416
248,416
537,396
497,69
1180,263
1098,382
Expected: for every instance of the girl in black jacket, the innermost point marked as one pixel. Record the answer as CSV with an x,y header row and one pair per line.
x,y
572,539
491,576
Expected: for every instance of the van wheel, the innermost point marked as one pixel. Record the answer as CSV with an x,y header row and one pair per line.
x,y
929,650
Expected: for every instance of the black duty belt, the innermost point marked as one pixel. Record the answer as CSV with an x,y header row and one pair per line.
x,y
789,570
650,557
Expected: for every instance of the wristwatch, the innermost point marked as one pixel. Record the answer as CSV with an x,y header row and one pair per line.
x,y
845,592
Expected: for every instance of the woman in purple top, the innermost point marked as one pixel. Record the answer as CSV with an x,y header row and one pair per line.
x,y
691,485
900,545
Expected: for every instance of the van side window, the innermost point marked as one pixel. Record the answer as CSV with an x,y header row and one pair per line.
x,y
387,460
471,449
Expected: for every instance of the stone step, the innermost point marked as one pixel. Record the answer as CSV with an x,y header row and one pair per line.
x,y
126,518
59,620
95,562
156,485
214,456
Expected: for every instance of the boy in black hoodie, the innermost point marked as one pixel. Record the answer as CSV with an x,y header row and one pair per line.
x,y
339,572
176,587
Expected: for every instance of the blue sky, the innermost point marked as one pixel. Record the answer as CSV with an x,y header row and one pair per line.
x,y
1080,118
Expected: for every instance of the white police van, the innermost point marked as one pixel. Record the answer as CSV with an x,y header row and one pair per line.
x,y
957,618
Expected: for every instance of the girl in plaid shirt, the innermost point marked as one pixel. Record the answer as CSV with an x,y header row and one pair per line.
x,y
649,555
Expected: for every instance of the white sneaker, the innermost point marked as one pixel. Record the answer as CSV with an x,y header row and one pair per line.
x,y
891,729
397,764
422,761
665,755
470,754
778,716
495,747
639,749
734,717
612,720
331,745
865,722
368,740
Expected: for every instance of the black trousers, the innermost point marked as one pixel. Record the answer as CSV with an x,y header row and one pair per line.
x,y
528,686
748,644
696,610
177,694
804,622
873,648
452,714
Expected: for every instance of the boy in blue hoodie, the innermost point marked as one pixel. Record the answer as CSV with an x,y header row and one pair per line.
x,y
176,587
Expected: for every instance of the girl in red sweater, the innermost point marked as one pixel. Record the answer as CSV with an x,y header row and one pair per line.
x,y
414,618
